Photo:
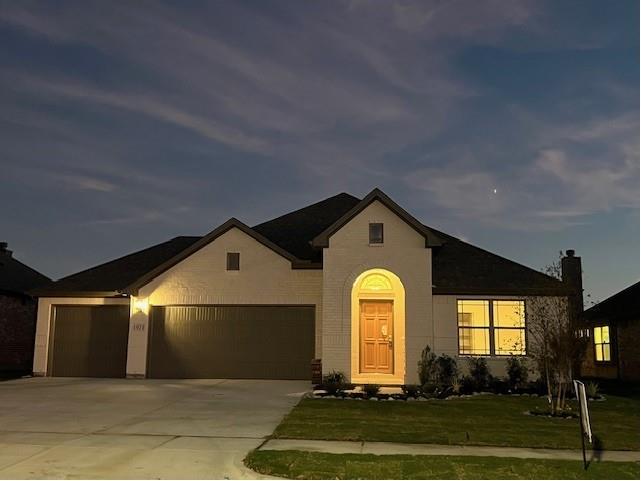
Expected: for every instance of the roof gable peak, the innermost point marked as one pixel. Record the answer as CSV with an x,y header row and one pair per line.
x,y
431,239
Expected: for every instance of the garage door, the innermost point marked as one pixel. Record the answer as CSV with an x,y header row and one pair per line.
x,y
89,341
233,342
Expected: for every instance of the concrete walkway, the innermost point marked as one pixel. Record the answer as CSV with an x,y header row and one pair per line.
x,y
343,447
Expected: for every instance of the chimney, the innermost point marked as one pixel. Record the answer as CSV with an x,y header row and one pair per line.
x,y
571,275
3,250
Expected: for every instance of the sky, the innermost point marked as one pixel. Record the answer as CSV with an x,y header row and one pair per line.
x,y
511,125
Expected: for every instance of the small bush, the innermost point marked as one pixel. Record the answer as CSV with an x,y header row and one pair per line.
x,y
517,372
430,389
479,372
440,370
468,385
447,370
371,390
333,382
411,390
592,390
499,386
427,371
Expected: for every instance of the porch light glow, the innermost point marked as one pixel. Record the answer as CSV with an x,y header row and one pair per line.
x,y
141,305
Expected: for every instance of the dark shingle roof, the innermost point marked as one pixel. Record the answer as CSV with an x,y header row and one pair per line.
x,y
458,267
622,306
17,277
294,231
117,274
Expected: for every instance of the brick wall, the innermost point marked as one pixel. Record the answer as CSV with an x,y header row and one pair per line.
x,y
17,332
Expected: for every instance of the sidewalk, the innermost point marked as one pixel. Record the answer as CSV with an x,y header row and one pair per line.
x,y
343,447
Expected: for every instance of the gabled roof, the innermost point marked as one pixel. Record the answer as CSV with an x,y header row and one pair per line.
x,y
622,306
202,242
110,278
431,239
294,231
458,267
16,277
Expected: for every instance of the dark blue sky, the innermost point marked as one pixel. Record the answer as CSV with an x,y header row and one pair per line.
x,y
123,124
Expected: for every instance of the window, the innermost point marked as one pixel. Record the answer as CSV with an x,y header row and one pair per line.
x,y
376,233
233,261
602,343
495,328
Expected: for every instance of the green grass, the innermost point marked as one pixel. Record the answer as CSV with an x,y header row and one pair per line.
x,y
306,465
479,420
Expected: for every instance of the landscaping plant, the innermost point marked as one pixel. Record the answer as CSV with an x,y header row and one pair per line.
x,y
592,390
427,366
480,372
517,372
411,390
333,382
555,345
447,370
371,390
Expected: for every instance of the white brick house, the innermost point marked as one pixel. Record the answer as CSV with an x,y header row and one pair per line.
x,y
359,284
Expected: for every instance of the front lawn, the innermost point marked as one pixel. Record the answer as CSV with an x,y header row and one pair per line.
x,y
478,420
306,465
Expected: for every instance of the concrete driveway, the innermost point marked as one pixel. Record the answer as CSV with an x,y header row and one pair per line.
x,y
120,428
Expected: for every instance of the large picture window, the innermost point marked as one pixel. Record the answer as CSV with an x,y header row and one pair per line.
x,y
491,327
602,344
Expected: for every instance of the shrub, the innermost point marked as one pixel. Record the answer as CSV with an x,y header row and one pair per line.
x,y
411,390
333,382
447,370
430,389
456,386
592,390
517,371
479,372
427,366
439,370
371,390
499,386
468,385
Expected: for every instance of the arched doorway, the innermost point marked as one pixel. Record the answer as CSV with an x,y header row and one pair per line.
x,y
378,328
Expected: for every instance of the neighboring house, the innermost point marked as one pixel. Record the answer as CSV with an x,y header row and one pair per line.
x,y
359,284
17,313
613,329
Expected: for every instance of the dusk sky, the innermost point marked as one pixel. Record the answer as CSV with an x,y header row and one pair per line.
x,y
513,125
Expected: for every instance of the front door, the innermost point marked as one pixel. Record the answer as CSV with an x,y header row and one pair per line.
x,y
377,348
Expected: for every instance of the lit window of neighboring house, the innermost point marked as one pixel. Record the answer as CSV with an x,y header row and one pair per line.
x,y
494,328
602,343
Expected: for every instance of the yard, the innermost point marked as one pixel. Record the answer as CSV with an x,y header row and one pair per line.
x,y
305,465
484,420
479,420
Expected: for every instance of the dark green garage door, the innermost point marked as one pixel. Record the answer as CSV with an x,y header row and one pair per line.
x,y
232,342
89,341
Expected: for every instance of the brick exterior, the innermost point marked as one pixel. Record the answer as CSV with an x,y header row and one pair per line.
x,y
264,278
348,255
17,332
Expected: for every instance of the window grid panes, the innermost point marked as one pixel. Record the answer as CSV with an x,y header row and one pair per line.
x,y
495,328
602,344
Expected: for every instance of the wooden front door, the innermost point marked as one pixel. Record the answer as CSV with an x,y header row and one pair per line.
x,y
377,348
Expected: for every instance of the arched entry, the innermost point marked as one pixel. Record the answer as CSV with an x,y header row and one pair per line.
x,y
378,328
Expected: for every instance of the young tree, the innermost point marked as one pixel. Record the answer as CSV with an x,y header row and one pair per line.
x,y
555,344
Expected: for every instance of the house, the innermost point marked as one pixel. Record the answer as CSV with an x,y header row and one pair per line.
x,y
17,313
360,284
613,329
